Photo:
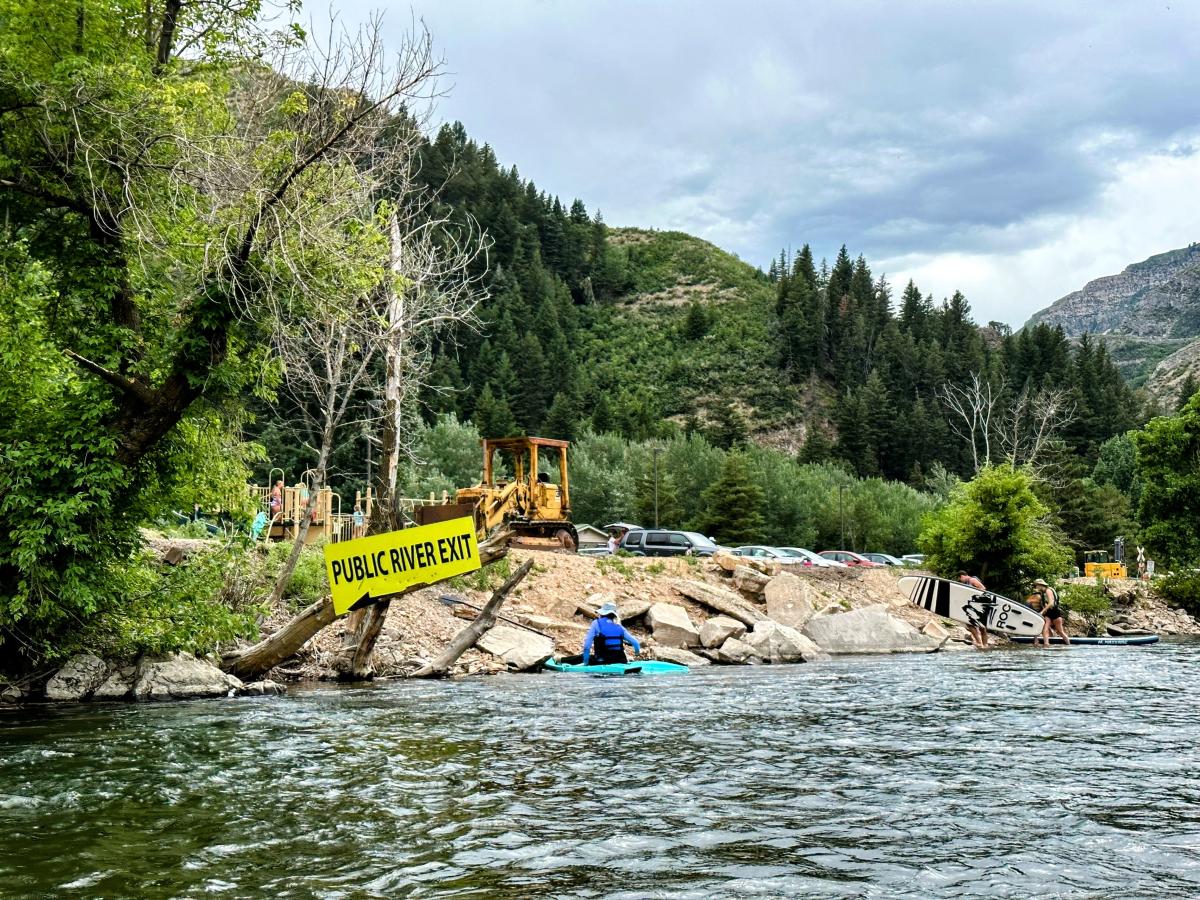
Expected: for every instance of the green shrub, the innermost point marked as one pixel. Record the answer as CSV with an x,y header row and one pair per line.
x,y
1089,601
210,600
485,579
1182,590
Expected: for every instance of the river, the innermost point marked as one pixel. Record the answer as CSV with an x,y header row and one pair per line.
x,y
1011,773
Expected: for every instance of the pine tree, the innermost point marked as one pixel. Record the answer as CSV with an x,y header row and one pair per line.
x,y
669,513
731,508
729,429
562,418
493,417
1187,391
817,446
696,324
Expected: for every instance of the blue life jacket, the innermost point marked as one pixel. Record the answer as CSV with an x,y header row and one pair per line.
x,y
608,645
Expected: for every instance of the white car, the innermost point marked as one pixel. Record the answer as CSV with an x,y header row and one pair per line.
x,y
808,558
760,552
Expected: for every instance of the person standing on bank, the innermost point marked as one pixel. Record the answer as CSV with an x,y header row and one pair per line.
x,y
606,639
1047,600
979,635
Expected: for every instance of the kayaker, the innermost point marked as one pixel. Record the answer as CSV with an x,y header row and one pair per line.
x,y
607,637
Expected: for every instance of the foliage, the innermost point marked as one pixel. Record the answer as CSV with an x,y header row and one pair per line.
x,y
1181,590
733,504
449,456
198,607
309,581
1089,601
995,527
484,579
1168,466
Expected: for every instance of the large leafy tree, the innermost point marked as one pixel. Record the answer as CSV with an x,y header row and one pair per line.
x,y
995,527
1168,467
167,192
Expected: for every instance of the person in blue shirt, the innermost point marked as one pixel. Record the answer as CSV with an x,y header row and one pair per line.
x,y
606,639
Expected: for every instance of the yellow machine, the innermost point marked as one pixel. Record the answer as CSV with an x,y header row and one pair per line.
x,y
533,506
1095,562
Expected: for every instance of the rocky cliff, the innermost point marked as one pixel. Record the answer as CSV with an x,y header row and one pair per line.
x,y
1149,314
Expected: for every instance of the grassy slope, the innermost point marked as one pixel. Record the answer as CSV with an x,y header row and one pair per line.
x,y
639,340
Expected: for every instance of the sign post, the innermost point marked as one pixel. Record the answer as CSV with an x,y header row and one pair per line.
x,y
368,569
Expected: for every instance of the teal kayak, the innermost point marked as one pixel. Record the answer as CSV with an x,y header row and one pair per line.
x,y
649,667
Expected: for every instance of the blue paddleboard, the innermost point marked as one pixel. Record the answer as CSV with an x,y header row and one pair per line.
x,y
1133,640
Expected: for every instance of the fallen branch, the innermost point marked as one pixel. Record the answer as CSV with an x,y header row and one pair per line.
x,y
466,638
250,664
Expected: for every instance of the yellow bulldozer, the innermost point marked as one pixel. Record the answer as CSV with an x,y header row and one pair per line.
x,y
537,509
1096,562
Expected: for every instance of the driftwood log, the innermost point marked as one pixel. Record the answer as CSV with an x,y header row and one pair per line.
x,y
466,638
250,664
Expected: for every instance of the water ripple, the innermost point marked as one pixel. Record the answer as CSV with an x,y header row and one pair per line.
x,y
1009,774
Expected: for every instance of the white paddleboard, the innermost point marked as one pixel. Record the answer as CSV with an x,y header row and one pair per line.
x,y
963,603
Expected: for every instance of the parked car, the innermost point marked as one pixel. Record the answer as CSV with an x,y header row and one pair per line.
x,y
850,559
884,559
811,559
914,559
759,552
642,542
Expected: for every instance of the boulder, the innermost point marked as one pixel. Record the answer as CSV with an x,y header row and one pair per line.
x,y
117,685
264,688
77,679
721,600
726,561
678,655
718,629
179,676
775,643
671,626
629,609
749,581
735,652
787,599
868,630
935,630
521,650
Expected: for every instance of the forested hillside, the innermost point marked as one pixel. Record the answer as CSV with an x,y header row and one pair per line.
x,y
651,334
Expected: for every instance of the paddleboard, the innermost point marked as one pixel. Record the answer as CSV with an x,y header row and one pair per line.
x,y
649,667
963,603
1135,640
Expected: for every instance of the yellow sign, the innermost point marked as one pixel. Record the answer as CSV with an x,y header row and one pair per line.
x,y
368,569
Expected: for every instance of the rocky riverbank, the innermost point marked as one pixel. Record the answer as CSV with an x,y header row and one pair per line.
x,y
691,611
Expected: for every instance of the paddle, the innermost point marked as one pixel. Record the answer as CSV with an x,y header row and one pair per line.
x,y
449,600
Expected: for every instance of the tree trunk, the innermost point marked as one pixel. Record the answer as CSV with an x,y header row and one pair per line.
x,y
252,663
466,638
362,631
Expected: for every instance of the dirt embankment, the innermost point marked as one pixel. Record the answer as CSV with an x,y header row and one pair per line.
x,y
421,624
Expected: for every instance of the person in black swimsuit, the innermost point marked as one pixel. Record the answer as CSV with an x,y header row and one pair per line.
x,y
978,629
1047,601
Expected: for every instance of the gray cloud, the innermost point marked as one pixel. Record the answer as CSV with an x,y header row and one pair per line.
x,y
905,131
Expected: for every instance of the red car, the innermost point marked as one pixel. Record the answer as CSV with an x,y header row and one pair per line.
x,y
850,559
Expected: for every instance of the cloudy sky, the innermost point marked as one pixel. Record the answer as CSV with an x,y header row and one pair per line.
x,y
1011,150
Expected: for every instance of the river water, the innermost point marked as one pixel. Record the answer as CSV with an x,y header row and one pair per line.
x,y
1011,773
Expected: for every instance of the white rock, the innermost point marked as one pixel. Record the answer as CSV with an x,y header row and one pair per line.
x,y
718,629
737,652
749,581
775,643
867,630
77,679
180,677
671,626
787,599
118,684
723,601
521,650
263,688
679,656
935,630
